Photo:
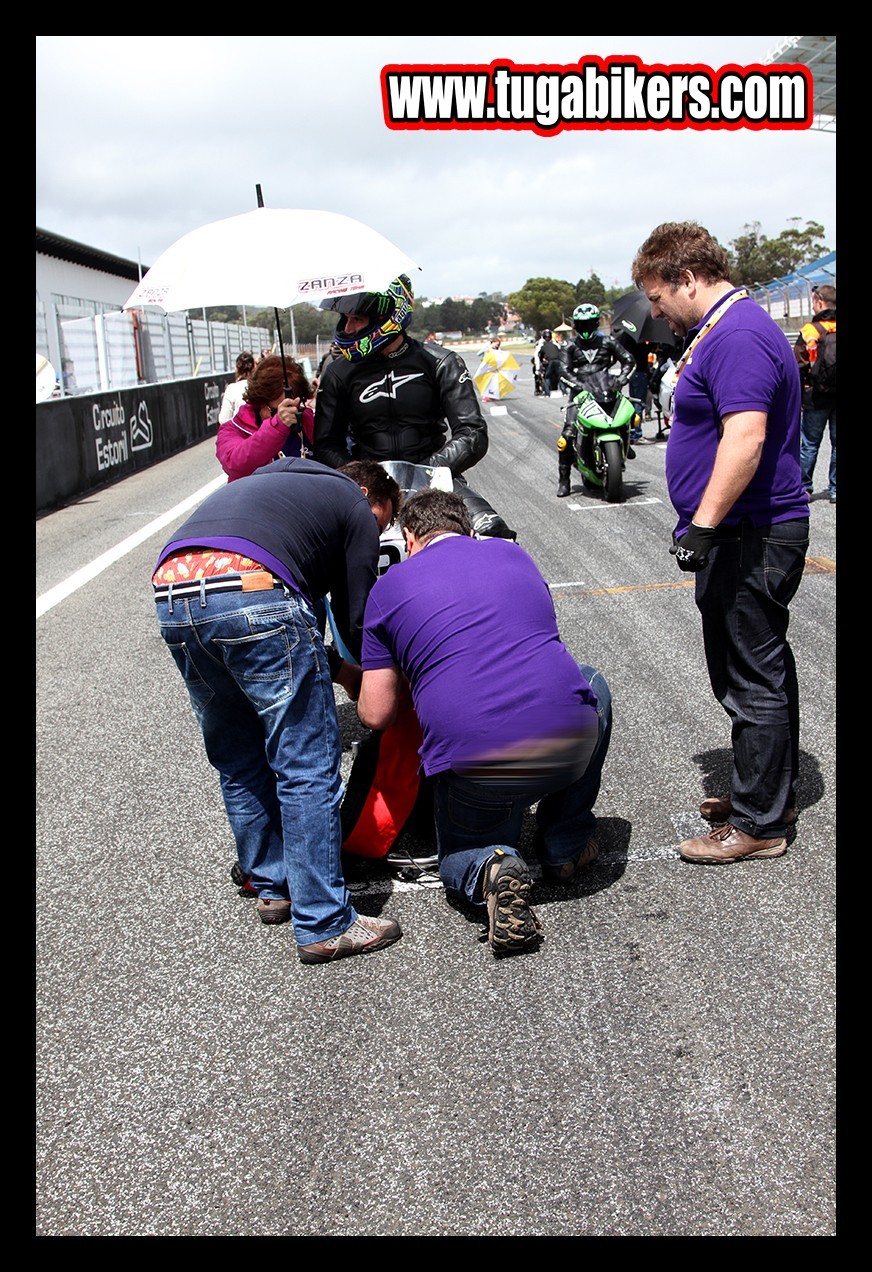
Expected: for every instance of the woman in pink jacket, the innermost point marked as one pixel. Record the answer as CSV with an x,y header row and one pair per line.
x,y
268,424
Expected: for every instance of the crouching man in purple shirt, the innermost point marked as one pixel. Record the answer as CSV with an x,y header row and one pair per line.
x,y
733,473
508,717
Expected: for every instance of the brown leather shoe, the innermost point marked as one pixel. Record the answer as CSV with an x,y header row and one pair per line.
x,y
719,810
727,843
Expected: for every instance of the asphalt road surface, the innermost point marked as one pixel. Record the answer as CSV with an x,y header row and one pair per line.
x,y
663,1066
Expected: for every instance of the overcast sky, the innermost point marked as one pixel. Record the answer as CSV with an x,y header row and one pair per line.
x,y
141,139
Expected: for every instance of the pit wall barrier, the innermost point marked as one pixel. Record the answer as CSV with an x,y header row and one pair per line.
x,y
95,439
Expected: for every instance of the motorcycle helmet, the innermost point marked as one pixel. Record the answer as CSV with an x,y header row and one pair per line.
x,y
546,333
389,313
585,320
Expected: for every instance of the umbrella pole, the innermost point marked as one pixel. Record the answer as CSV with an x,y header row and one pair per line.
x,y
298,426
286,386
281,348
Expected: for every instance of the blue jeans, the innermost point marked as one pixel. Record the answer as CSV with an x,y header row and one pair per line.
x,y
814,421
637,391
473,817
743,596
257,676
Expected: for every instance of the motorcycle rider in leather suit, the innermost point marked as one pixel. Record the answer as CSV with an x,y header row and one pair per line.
x,y
590,351
390,397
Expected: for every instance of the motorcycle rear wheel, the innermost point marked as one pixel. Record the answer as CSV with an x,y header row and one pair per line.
x,y
613,484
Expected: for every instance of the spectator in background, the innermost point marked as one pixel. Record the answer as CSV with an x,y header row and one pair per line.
x,y
232,399
818,400
492,346
637,386
547,354
268,425
332,353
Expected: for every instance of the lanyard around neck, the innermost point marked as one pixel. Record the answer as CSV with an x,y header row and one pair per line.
x,y
716,317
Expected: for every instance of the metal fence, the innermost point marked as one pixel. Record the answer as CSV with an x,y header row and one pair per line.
x,y
118,349
788,299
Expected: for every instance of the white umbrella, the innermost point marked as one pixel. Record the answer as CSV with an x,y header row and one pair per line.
x,y
271,256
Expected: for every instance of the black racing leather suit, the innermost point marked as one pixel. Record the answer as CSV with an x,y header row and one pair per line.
x,y
419,405
580,359
401,406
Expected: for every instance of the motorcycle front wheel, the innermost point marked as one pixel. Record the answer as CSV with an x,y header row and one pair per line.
x,y
614,474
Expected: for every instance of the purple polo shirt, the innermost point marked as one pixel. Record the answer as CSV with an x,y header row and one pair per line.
x,y
745,363
471,622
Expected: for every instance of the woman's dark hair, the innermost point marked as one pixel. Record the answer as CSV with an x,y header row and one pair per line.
x,y
244,364
430,512
268,378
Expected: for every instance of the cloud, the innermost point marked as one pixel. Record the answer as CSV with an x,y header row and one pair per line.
x,y
141,139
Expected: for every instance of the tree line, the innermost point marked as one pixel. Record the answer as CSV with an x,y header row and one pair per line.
x,y
546,302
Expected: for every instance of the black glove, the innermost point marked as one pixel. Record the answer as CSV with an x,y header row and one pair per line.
x,y
334,661
692,549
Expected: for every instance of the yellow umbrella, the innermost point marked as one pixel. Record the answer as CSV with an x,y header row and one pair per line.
x,y
497,374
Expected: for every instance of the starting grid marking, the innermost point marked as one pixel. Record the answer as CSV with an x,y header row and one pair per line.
x,y
578,587
602,506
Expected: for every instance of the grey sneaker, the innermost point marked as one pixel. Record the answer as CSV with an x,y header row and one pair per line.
x,y
363,937
569,872
273,910
512,923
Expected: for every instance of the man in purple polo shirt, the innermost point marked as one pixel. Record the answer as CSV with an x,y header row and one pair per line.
x,y
733,473
508,716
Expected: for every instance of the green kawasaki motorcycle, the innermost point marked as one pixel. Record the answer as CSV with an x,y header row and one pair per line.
x,y
602,417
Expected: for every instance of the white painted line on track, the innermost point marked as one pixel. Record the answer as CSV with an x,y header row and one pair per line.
x,y
603,505
88,572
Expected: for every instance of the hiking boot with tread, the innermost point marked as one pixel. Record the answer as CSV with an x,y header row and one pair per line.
x,y
513,926
569,872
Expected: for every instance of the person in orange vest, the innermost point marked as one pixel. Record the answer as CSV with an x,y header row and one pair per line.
x,y
817,373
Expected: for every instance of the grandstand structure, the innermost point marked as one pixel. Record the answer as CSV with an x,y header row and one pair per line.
x,y
788,299
818,53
